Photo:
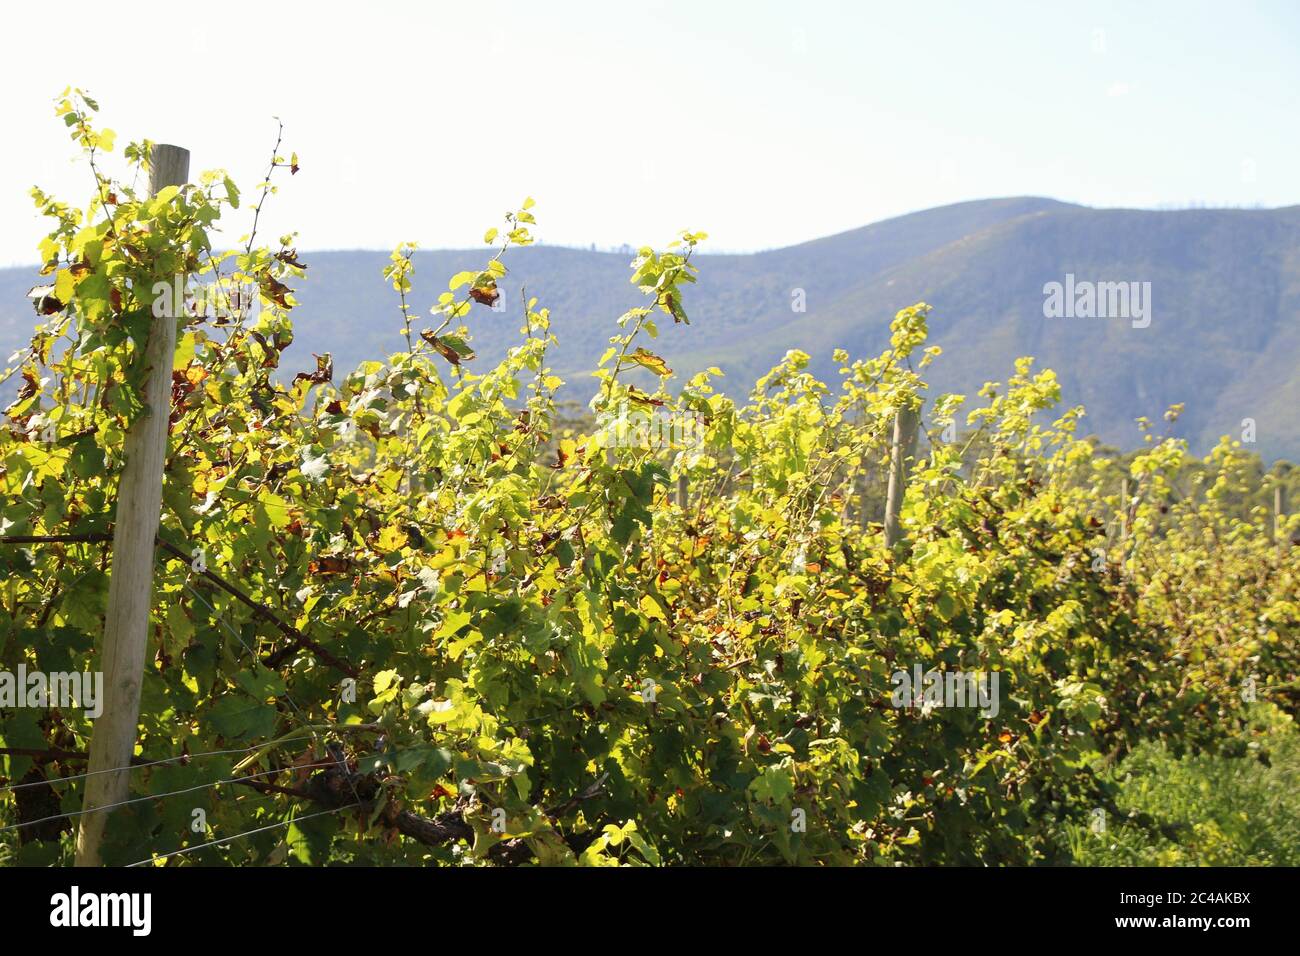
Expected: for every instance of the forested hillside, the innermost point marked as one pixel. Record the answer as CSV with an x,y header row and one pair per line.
x,y
1224,336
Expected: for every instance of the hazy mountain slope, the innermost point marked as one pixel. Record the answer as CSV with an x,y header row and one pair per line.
x,y
1224,335
347,304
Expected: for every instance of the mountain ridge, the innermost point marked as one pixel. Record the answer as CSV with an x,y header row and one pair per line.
x,y
1224,337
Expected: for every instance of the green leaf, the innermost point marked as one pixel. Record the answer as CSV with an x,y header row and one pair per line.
x,y
275,508
237,717
309,840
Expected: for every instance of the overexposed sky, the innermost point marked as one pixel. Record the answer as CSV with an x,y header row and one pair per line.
x,y
762,123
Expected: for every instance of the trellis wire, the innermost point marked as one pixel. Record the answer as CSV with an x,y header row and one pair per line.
x,y
238,836
285,696
160,796
141,766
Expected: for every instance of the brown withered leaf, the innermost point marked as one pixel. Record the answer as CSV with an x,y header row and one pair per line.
x,y
275,290
30,384
182,386
272,354
446,351
447,347
647,359
324,371
669,304
486,294
330,564
44,300
290,258
641,398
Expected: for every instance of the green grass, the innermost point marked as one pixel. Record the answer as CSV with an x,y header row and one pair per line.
x,y
1239,810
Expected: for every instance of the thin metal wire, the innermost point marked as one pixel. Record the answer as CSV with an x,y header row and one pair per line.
x,y
312,735
302,720
238,836
159,796
140,766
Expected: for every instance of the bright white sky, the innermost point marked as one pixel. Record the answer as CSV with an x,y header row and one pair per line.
x,y
762,123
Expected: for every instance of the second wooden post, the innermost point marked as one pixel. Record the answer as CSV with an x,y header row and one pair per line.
x,y
905,424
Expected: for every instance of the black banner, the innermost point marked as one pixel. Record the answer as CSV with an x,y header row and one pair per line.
x,y
336,905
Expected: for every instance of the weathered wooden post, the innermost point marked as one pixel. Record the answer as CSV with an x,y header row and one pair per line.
x,y
1279,511
904,445
130,588
864,517
683,492
1123,510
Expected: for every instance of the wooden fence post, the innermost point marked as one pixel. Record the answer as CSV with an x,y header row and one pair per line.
x,y
1123,509
904,445
864,518
130,588
683,492
1279,511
